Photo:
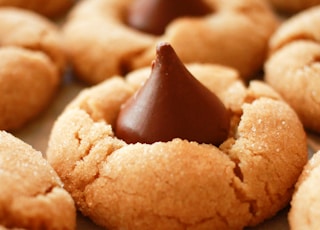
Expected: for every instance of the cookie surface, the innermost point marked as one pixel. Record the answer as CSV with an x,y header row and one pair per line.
x,y
179,183
112,47
28,80
304,212
31,31
32,195
49,8
293,66
32,64
293,6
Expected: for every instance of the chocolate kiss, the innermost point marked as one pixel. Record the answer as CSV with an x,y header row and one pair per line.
x,y
172,103
152,16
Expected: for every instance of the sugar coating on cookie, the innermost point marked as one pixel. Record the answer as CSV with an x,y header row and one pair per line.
x,y
32,60
179,184
32,194
293,66
114,48
305,204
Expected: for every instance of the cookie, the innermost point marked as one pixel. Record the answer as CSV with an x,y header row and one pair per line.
x,y
33,61
101,44
32,194
293,6
293,65
305,204
48,8
179,183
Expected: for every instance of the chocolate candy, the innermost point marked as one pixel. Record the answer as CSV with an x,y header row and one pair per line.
x,y
152,16
172,104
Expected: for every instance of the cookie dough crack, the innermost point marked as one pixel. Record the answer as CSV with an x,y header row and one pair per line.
x,y
239,180
47,191
98,165
237,170
243,197
295,38
42,46
125,64
193,225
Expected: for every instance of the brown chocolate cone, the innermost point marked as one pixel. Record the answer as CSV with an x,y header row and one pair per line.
x,y
152,16
172,104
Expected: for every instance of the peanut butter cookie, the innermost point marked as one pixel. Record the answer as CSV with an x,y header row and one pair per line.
x,y
32,194
179,184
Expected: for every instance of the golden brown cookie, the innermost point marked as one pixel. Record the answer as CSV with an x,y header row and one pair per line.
x,y
32,194
32,60
305,204
293,67
180,184
101,44
293,6
49,8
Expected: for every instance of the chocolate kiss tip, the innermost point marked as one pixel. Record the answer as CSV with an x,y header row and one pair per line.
x,y
172,104
152,16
